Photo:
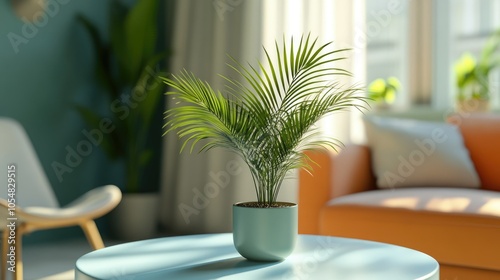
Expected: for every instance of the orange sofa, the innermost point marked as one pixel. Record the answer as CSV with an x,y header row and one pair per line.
x,y
459,227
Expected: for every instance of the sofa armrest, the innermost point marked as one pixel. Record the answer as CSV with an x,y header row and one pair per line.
x,y
333,176
314,190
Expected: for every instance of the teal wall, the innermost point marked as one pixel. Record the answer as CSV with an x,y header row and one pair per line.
x,y
51,70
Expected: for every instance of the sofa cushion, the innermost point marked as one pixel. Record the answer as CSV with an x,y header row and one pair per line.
x,y
410,153
452,225
481,133
446,200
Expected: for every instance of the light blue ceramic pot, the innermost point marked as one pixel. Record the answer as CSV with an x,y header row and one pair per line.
x,y
265,234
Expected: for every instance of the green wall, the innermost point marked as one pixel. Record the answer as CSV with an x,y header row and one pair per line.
x,y
46,68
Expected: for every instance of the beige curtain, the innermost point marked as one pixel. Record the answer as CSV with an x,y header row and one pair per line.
x,y
198,190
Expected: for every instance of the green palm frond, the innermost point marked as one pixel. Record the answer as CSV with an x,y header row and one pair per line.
x,y
269,115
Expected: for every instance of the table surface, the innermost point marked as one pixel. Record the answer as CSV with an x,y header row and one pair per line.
x,y
213,256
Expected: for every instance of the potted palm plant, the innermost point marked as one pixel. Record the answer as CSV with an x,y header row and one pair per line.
x,y
127,67
268,119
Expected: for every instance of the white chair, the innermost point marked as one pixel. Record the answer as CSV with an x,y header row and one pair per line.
x,y
36,207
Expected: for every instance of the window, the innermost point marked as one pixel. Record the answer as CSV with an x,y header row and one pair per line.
x,y
420,42
387,43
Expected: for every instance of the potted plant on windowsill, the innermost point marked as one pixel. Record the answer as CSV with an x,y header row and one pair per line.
x,y
383,92
268,119
127,67
472,77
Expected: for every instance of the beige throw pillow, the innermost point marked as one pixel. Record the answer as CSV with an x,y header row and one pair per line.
x,y
412,153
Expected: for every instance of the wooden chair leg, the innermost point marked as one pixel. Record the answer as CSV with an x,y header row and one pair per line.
x,y
5,245
92,234
18,274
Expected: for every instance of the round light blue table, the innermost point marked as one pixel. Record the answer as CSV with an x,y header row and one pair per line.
x,y
212,256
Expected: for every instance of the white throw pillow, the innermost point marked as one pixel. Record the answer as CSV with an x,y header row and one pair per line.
x,y
412,153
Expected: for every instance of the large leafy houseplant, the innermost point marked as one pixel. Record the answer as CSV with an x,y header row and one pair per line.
x,y
127,69
268,119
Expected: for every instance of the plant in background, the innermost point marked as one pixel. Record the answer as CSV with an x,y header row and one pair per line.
x,y
126,68
268,117
384,91
472,75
